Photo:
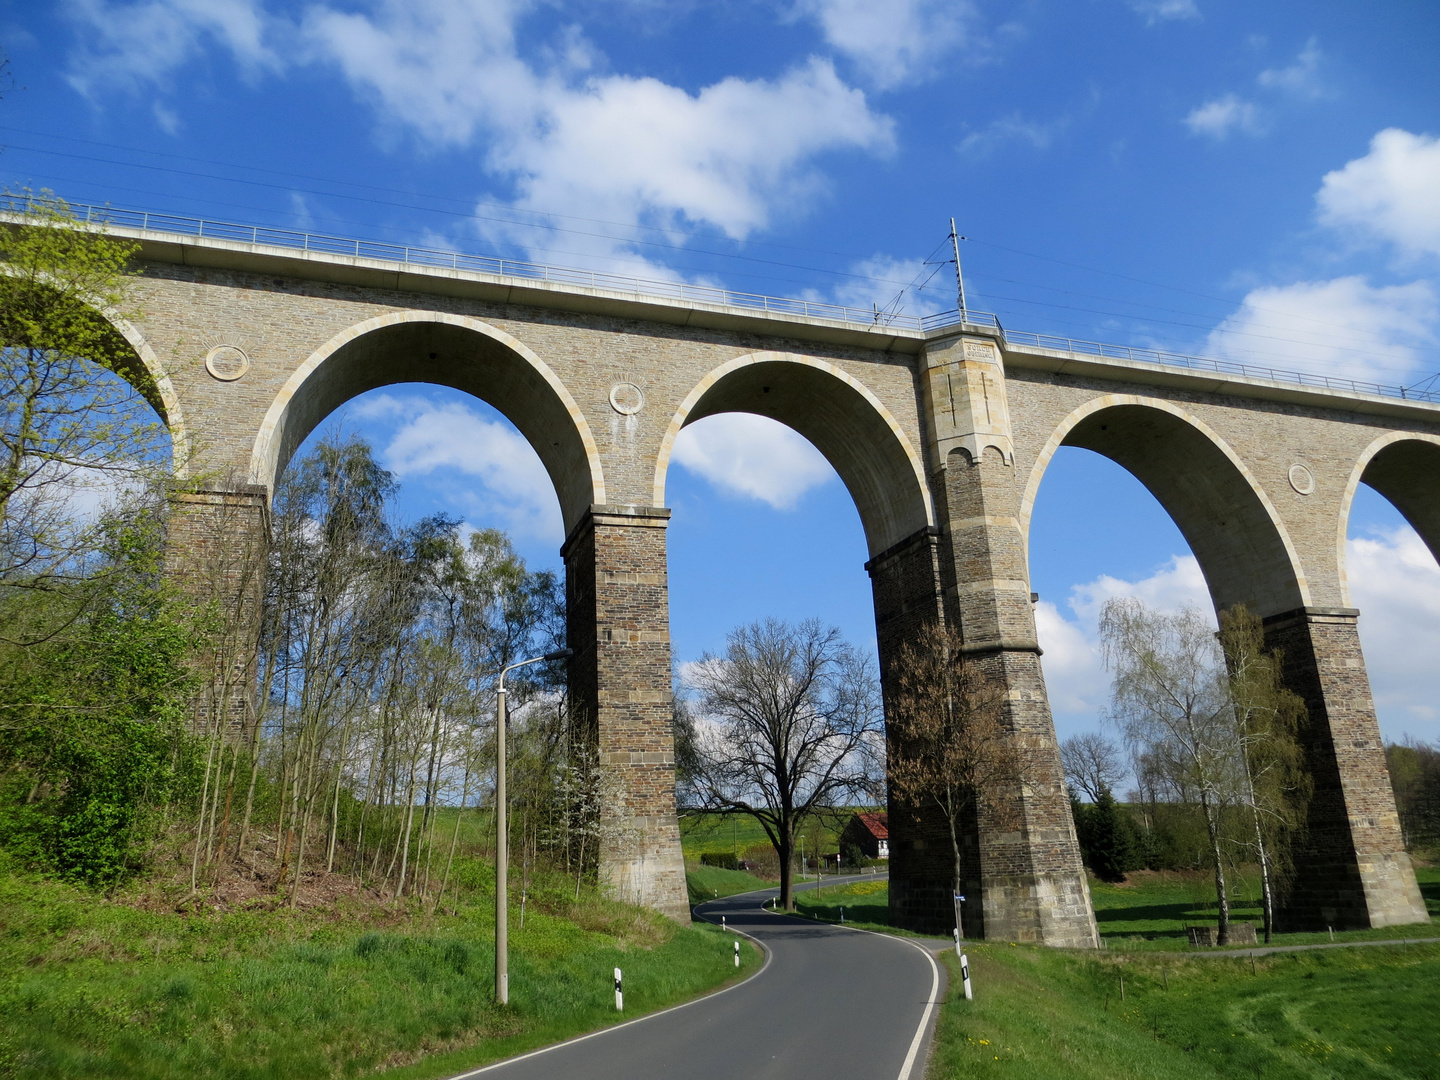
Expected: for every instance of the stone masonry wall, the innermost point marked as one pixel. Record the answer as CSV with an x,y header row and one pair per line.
x,y
1350,869
619,626
216,544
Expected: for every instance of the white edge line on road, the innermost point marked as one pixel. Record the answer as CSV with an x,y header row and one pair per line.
x,y
639,1019
934,982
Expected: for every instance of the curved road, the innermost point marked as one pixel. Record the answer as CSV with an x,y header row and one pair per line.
x,y
829,1002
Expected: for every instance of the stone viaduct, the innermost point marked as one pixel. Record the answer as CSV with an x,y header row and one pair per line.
x,y
941,433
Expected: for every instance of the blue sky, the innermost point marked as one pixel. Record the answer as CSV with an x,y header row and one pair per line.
x,y
1256,181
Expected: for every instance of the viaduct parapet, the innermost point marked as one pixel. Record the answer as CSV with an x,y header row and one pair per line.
x,y
941,435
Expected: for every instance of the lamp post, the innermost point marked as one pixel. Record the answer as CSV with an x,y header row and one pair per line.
x,y
502,838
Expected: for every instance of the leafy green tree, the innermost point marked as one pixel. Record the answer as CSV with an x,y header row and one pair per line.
x,y
94,745
75,400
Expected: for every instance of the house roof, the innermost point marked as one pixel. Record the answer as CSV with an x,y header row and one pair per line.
x,y
877,824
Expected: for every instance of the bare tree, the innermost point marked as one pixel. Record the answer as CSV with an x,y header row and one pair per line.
x,y
950,749
1266,717
1171,697
1092,763
790,723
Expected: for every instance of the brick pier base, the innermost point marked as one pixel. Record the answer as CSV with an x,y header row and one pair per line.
x,y
618,619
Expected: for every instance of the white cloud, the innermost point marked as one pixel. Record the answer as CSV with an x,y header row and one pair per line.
x,y
638,150
899,42
125,46
1156,11
1392,193
1302,78
1075,677
1010,129
439,440
635,151
752,456
1219,118
1395,583
1344,327
885,282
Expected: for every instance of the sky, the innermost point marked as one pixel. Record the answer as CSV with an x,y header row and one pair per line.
x,y
1251,181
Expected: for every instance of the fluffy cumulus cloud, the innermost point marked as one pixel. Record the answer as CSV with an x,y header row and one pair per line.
x,y
1075,675
1390,194
1225,116
638,150
899,42
484,467
1345,327
1395,582
635,151
752,457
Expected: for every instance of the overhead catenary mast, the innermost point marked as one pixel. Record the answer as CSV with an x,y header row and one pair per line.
x,y
955,239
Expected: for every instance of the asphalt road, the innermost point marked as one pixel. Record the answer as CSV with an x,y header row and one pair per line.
x,y
829,1003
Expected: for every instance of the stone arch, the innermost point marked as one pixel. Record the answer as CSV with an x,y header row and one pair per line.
x,y
837,413
1220,508
450,350
147,375
1403,466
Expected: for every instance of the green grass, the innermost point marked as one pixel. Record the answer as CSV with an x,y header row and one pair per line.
x,y
866,904
711,882
1153,910
1042,1013
95,988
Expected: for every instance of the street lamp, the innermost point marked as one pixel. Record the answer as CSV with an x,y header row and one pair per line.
x,y
502,845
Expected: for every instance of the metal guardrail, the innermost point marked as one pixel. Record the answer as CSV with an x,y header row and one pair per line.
x,y
860,318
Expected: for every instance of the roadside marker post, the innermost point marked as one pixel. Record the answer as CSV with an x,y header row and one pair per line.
x,y
619,993
737,954
965,977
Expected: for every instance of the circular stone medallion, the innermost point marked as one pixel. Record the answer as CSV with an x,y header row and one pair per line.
x,y
626,398
227,362
1302,480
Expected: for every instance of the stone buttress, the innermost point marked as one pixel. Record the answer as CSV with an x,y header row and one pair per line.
x,y
618,616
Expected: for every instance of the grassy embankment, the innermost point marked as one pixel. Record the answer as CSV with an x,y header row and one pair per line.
x,y
131,987
1044,1013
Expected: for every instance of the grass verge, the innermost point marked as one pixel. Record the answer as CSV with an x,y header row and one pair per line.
x,y
712,882
866,904
97,988
1042,1013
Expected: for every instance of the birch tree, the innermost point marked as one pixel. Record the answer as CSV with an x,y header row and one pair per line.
x,y
1265,717
1171,696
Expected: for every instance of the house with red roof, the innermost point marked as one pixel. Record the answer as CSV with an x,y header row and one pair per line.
x,y
870,832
